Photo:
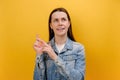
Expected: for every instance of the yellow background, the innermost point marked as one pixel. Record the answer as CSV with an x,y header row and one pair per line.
x,y
96,24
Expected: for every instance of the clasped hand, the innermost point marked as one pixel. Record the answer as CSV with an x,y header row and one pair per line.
x,y
41,47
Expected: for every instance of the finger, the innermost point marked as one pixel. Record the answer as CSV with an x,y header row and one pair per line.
x,y
44,49
49,44
42,42
37,48
37,38
36,45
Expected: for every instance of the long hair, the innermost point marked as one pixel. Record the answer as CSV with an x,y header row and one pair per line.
x,y
69,33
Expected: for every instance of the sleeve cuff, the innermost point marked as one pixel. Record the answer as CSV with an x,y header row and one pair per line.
x,y
59,61
38,58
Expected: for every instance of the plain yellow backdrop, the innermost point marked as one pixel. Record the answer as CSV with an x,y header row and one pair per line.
x,y
96,24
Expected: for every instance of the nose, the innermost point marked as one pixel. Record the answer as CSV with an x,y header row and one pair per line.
x,y
60,22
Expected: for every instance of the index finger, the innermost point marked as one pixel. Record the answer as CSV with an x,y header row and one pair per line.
x,y
45,44
40,40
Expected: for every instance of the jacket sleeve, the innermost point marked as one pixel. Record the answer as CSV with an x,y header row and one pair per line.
x,y
73,73
39,68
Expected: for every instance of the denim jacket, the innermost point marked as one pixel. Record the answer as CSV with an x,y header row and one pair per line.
x,y
69,65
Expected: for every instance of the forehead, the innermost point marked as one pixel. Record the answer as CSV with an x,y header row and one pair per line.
x,y
59,14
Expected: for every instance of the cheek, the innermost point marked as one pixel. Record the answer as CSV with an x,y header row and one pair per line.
x,y
53,25
67,25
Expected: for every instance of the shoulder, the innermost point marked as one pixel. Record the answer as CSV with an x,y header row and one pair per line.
x,y
78,45
78,48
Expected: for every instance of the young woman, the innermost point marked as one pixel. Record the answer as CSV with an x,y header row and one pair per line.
x,y
61,58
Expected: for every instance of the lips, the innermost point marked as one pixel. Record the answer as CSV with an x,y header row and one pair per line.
x,y
60,29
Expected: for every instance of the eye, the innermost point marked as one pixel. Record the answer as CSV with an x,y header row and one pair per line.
x,y
55,20
64,19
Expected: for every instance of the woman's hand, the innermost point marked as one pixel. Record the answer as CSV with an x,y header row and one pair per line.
x,y
41,46
38,45
48,49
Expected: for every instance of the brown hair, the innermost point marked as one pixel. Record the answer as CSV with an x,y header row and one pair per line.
x,y
69,33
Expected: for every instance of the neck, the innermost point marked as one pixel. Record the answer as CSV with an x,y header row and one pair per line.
x,y
59,40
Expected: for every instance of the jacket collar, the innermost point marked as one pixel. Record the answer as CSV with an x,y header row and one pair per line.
x,y
68,44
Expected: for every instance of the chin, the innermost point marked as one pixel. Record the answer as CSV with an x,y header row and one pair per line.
x,y
62,34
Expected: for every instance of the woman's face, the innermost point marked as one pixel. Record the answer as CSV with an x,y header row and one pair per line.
x,y
59,23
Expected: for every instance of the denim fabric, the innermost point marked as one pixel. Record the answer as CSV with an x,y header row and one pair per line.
x,y
69,65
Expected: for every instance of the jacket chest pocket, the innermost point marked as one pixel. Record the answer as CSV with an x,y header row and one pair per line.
x,y
70,60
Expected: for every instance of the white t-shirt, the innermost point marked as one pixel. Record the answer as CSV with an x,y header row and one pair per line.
x,y
59,47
